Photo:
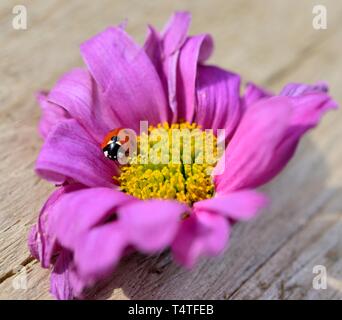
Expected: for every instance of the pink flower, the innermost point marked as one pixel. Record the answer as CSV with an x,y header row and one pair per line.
x,y
89,223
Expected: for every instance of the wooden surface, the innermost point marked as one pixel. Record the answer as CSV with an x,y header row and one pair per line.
x,y
271,42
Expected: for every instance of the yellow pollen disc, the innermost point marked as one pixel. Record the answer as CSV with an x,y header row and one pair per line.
x,y
172,162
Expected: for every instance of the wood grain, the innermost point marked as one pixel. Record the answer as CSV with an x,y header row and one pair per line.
x,y
269,42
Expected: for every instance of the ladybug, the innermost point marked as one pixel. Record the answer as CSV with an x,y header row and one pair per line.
x,y
111,145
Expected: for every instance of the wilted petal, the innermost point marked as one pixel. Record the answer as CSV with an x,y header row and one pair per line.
x,y
132,87
218,99
203,233
69,152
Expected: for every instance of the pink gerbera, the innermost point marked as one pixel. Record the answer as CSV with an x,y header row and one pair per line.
x,y
92,219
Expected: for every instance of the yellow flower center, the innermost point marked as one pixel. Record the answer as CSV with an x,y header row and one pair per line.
x,y
172,162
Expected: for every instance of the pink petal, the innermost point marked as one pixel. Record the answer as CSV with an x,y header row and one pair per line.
x,y
78,94
78,212
195,50
218,99
239,205
203,233
175,32
132,87
176,58
171,72
309,102
268,135
298,89
253,93
69,152
153,48
64,282
249,155
309,108
151,225
41,243
51,114
98,251
34,242
307,112
163,51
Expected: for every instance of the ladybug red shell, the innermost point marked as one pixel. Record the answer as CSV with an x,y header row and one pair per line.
x,y
111,145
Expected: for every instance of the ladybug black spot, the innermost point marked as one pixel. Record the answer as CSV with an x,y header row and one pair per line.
x,y
111,150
